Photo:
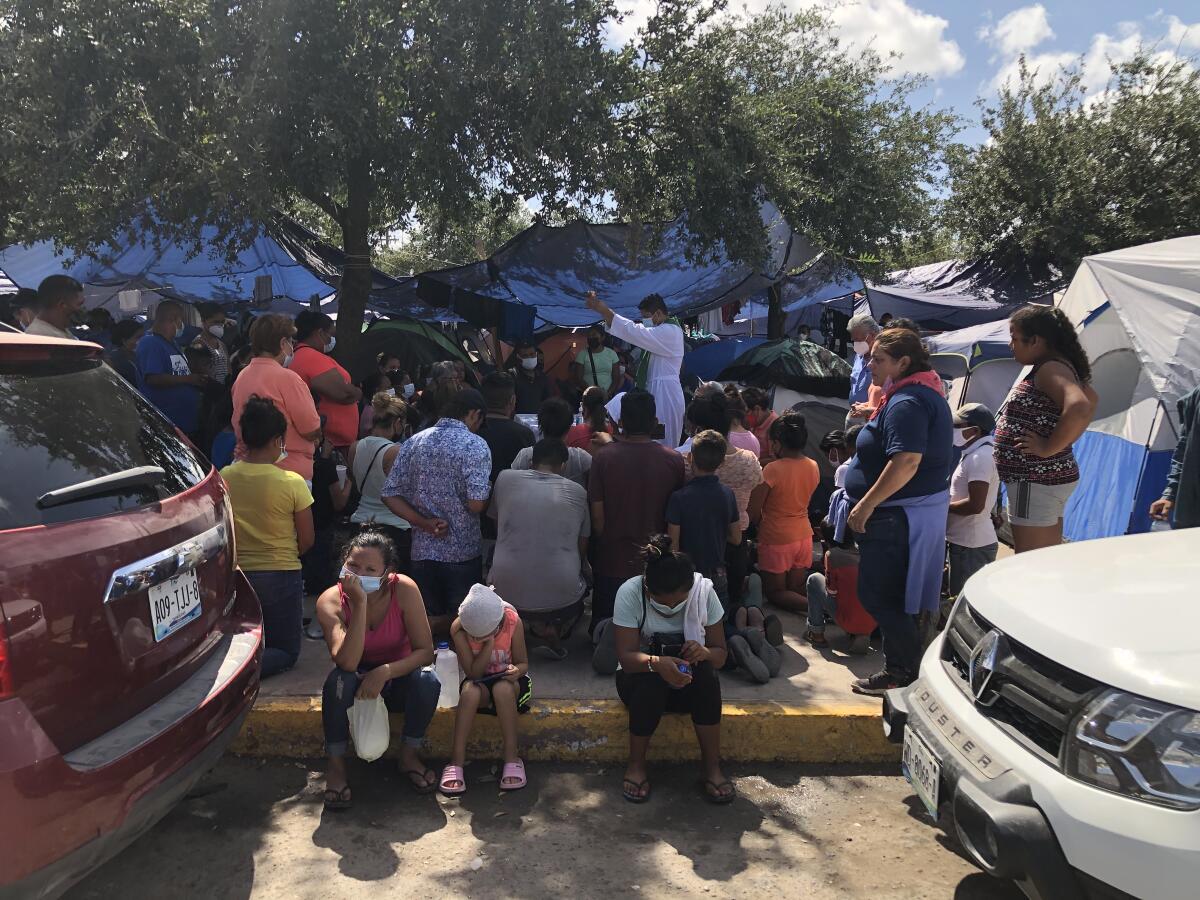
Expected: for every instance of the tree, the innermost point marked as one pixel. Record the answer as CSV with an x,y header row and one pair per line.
x,y
1064,175
368,113
438,243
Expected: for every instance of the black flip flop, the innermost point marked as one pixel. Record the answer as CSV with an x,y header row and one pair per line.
x,y
638,786
425,787
338,799
717,799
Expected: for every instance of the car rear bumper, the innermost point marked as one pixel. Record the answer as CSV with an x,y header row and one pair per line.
x,y
67,813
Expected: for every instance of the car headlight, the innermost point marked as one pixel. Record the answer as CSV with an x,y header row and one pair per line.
x,y
1138,747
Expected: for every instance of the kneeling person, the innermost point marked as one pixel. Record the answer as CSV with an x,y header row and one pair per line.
x,y
378,634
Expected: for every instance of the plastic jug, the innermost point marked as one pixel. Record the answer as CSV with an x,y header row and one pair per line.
x,y
445,665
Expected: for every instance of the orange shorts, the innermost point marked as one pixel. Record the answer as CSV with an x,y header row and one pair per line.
x,y
778,559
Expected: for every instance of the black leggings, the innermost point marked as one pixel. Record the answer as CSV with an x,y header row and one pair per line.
x,y
647,696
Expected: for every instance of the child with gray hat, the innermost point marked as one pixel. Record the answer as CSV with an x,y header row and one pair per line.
x,y
974,485
489,638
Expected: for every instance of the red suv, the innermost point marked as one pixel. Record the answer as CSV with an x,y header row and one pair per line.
x,y
130,642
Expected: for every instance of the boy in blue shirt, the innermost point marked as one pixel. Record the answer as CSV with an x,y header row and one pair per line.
x,y
169,382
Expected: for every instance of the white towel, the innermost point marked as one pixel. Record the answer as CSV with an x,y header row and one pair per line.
x,y
696,609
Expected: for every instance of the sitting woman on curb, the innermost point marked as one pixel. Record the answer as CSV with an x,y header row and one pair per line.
x,y
670,642
490,642
378,634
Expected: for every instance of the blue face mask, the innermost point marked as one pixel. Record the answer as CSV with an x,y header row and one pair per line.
x,y
370,583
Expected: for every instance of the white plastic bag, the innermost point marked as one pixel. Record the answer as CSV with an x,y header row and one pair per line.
x,y
370,729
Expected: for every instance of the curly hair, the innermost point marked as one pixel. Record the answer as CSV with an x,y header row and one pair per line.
x,y
1052,325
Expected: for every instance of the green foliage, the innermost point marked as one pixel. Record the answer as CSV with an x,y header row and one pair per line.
x,y
435,242
1064,175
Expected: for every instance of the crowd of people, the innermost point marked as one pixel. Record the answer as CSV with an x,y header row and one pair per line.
x,y
683,522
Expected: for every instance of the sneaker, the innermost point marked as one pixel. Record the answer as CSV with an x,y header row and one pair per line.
x,y
747,661
754,591
313,630
879,683
762,648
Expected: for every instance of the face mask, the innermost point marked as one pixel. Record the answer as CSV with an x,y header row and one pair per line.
x,y
960,437
370,583
862,348
332,343
529,362
409,390
649,323
216,331
833,460
287,360
282,454
667,610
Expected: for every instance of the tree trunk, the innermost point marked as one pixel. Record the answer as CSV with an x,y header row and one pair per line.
x,y
775,316
355,288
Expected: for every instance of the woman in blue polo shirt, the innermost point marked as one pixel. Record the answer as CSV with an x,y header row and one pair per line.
x,y
898,482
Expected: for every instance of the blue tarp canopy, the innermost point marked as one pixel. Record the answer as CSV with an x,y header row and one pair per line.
x,y
707,362
957,294
170,269
828,280
548,270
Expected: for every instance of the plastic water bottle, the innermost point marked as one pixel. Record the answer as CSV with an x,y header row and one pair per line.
x,y
1159,525
445,665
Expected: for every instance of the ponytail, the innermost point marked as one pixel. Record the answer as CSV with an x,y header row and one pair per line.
x,y
1052,325
593,409
665,570
791,431
387,409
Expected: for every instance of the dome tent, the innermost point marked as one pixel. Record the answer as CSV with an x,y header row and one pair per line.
x,y
1137,311
977,362
416,344
798,365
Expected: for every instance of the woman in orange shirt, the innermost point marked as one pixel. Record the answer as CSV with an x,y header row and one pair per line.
x,y
780,506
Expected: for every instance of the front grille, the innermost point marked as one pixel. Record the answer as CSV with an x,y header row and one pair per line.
x,y
1030,697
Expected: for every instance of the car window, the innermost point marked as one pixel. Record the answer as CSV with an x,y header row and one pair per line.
x,y
67,421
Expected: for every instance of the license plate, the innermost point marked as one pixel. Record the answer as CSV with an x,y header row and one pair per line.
x,y
174,603
922,769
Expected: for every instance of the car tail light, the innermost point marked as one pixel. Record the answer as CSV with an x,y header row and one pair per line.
x,y
7,688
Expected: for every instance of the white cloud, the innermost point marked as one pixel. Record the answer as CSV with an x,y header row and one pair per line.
x,y
1020,31
886,26
1182,35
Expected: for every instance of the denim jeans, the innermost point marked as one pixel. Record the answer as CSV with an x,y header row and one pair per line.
x,y
281,596
415,695
966,561
444,585
882,576
821,604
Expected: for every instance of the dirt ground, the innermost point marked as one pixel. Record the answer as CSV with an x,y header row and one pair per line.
x,y
256,828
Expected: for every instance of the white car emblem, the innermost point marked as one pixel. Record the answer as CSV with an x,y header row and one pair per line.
x,y
982,666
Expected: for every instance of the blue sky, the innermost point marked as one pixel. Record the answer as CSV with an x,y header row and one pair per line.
x,y
967,48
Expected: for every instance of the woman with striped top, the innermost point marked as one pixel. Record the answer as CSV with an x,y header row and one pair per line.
x,y
1046,413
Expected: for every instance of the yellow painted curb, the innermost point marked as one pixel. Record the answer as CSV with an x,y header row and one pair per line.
x,y
598,731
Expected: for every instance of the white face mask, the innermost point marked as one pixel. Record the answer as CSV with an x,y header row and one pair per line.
x,y
862,348
216,331
409,390
287,360
529,362
649,323
667,610
960,437
282,454
370,583
332,343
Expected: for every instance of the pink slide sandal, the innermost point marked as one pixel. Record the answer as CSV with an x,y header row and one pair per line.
x,y
513,770
452,774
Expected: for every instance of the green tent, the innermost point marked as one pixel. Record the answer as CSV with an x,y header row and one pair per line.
x,y
801,366
417,344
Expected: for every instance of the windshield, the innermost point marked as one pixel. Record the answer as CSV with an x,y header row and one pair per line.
x,y
63,422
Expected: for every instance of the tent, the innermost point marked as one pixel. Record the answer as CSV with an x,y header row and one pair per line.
x,y
550,269
707,361
957,294
170,269
977,364
828,281
1138,315
417,344
800,366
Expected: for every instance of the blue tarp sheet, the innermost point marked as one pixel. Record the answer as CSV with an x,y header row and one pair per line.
x,y
955,294
550,269
707,362
827,281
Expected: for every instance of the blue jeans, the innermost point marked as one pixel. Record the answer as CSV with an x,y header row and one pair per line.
x,y
281,596
444,585
415,695
821,604
882,577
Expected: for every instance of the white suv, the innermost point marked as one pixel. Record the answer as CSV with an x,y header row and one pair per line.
x,y
1057,719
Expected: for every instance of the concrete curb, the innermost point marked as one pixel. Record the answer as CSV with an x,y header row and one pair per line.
x,y
597,732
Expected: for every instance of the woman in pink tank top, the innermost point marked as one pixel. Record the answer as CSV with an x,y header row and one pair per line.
x,y
378,635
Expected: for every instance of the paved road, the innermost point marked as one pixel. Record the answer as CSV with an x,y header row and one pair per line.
x,y
258,830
